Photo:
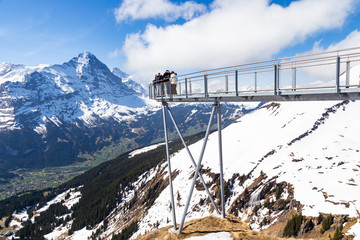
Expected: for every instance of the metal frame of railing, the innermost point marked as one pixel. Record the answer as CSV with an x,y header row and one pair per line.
x,y
248,79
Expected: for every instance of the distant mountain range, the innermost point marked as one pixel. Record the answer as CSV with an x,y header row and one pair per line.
x,y
54,115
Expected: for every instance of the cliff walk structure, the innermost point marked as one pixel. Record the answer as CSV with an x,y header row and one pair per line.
x,y
332,75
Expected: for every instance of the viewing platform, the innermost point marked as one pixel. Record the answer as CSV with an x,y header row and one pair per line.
x,y
333,75
322,76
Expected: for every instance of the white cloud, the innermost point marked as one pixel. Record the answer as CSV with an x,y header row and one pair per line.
x,y
143,9
326,74
233,32
115,53
351,41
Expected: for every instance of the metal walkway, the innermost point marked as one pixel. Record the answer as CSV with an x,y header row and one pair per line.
x,y
313,77
324,76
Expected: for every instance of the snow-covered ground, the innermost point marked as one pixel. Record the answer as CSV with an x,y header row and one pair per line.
x,y
82,234
355,230
75,196
213,236
323,167
144,149
68,201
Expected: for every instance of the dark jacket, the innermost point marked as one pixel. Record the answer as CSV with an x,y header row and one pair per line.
x,y
166,76
158,78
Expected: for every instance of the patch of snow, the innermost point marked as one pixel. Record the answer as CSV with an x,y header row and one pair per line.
x,y
73,199
57,232
75,196
56,121
145,149
355,230
82,234
41,129
213,236
18,218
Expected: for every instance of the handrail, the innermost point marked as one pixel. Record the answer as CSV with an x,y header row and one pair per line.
x,y
282,75
273,60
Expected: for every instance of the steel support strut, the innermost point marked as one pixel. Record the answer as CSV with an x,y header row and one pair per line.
x,y
192,159
197,169
218,106
337,79
169,166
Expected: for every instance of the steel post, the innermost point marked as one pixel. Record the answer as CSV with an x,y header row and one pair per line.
x,y
163,91
236,83
226,83
186,88
218,106
347,74
169,166
205,86
337,74
170,88
294,79
197,169
255,83
190,86
275,79
278,79
192,159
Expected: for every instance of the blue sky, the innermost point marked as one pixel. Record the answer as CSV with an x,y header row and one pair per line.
x,y
130,34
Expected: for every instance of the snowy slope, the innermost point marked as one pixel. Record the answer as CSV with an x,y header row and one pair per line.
x,y
129,80
311,146
323,166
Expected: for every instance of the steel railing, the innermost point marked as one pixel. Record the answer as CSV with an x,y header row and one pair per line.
x,y
326,71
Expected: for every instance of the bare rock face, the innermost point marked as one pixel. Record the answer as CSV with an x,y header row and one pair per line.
x,y
307,226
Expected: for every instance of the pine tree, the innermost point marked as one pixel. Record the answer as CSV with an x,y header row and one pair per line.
x,y
293,226
326,223
338,234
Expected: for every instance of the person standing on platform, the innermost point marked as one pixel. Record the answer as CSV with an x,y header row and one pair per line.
x,y
157,83
166,81
173,81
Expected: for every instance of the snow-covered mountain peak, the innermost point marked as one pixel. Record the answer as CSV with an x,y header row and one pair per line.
x,y
117,71
85,57
129,80
85,62
70,91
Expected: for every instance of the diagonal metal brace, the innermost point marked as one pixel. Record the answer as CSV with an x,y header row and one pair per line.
x,y
192,159
197,168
